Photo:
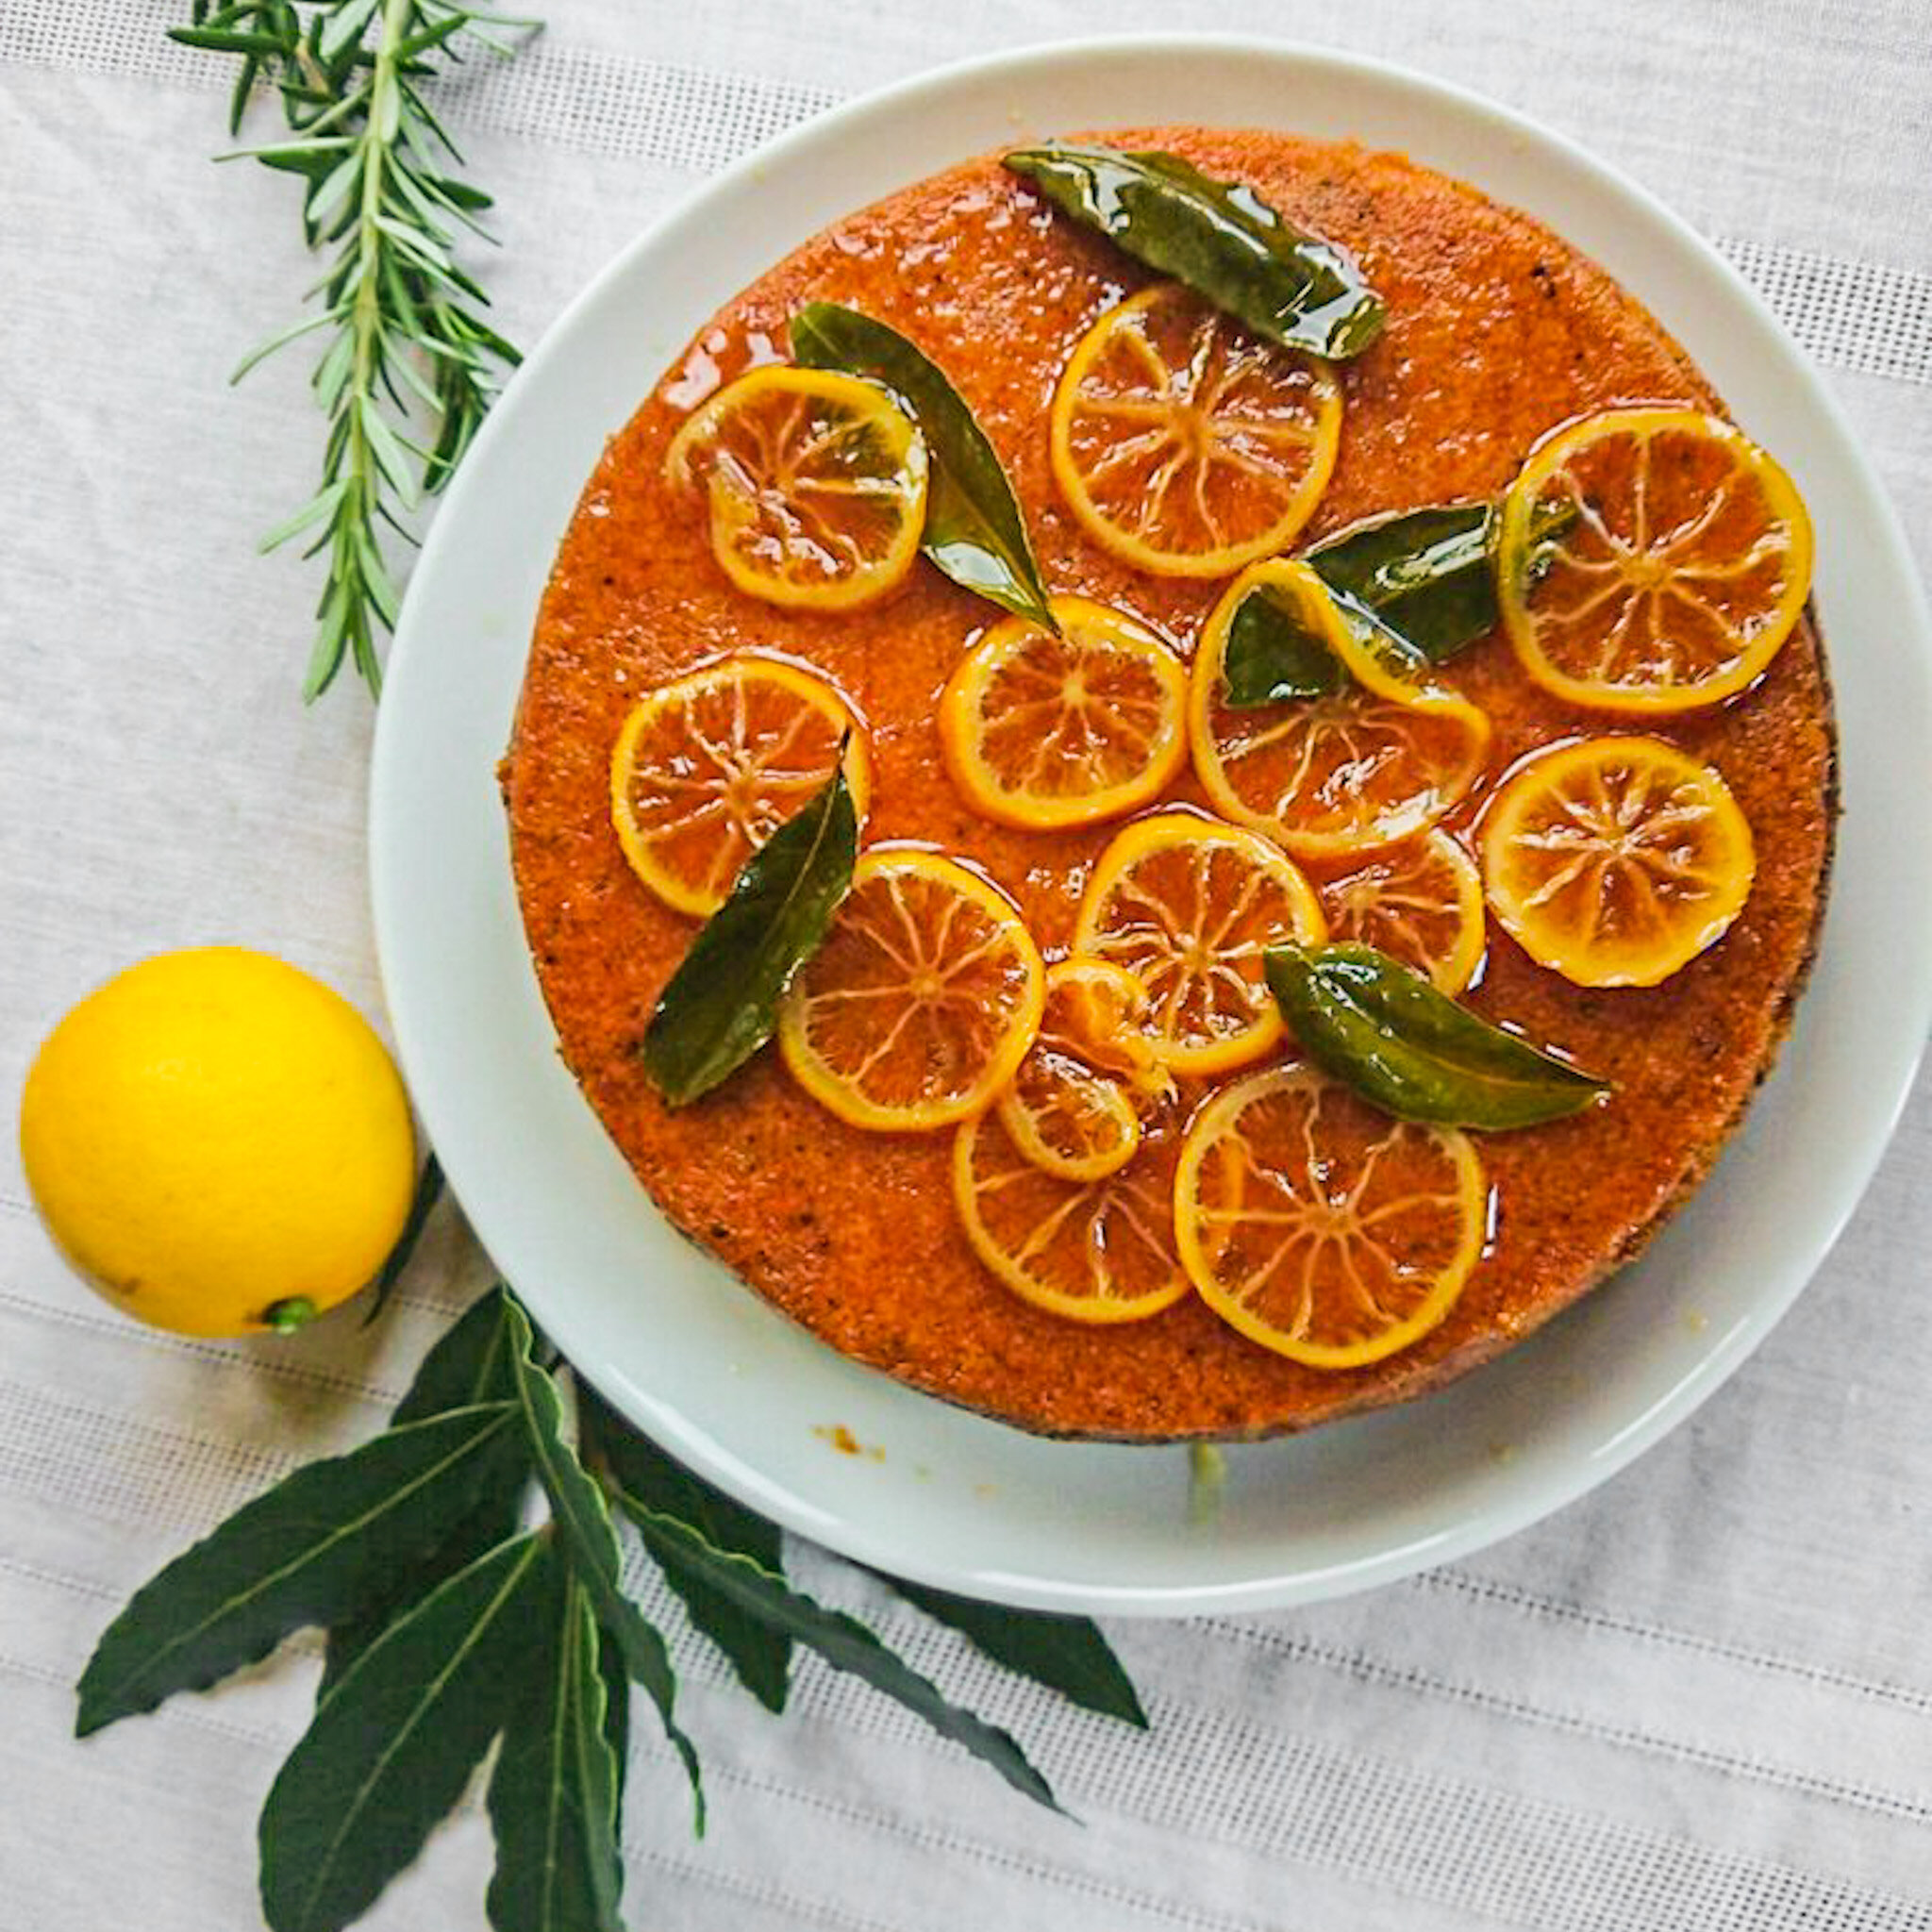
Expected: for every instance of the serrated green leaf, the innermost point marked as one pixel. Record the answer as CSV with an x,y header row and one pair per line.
x,y
842,1641
492,1520
616,1709
470,1365
761,1655
388,1751
319,1548
721,1004
554,1792
974,531
582,1518
1065,1654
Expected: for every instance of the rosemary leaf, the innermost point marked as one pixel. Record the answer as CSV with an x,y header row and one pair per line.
x,y
383,195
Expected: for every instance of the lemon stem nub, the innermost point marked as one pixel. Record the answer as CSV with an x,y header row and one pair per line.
x,y
287,1316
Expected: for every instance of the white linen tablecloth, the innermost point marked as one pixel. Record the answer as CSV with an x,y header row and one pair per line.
x,y
1699,1698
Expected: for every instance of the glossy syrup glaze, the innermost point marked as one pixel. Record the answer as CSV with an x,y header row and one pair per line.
x,y
1497,332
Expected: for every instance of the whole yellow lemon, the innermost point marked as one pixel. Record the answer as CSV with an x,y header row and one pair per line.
x,y
218,1142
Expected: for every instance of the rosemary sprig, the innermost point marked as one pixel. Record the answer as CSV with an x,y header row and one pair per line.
x,y
411,368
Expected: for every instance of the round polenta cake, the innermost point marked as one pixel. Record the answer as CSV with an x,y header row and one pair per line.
x,y
1497,333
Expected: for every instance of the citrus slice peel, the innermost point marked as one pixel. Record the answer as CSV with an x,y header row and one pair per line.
x,y
1320,1228
1098,1252
1043,731
815,485
1184,445
921,1002
1188,905
1073,1106
1616,861
1376,761
1682,573
706,767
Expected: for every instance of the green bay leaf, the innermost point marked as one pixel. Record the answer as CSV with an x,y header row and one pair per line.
x,y
758,1652
388,1751
1272,657
1383,1029
610,1667
582,1522
1423,573
975,531
428,1191
554,1790
1427,575
1065,1654
1218,237
321,1547
842,1641
468,1364
490,1520
721,1003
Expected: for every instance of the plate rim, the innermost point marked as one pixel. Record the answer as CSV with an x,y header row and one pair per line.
x,y
390,875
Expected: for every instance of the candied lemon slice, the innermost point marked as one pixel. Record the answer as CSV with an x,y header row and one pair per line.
x,y
1098,1012
815,483
1188,905
1096,1251
708,766
1318,1227
922,1000
1616,861
1370,764
1068,1120
1680,561
1185,446
1071,1108
1041,731
1420,902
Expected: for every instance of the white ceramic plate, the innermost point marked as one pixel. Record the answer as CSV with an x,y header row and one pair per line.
x,y
747,1399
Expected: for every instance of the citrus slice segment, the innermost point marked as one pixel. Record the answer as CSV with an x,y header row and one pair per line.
x,y
709,766
1041,731
1186,446
922,1000
1318,1227
1187,904
1097,1012
1071,1108
1617,860
1365,766
1420,902
1068,1120
1680,559
815,483
1097,1251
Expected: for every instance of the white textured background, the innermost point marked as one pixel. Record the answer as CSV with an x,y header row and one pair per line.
x,y
1700,1698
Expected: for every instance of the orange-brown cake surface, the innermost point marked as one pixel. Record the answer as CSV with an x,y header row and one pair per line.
x,y
1496,333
